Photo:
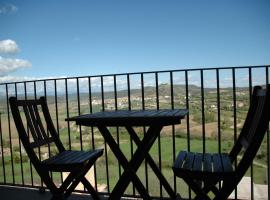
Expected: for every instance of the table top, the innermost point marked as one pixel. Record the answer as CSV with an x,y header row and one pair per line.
x,y
131,117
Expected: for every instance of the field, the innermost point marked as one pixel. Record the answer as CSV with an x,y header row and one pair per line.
x,y
113,168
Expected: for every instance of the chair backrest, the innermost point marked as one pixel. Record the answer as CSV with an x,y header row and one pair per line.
x,y
253,131
38,130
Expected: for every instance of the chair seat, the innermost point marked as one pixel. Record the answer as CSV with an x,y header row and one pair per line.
x,y
203,166
70,160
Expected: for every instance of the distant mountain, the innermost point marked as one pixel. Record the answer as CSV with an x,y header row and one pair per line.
x,y
149,91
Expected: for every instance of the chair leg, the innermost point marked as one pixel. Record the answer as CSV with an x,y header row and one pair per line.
x,y
210,186
49,183
227,187
200,194
90,189
78,176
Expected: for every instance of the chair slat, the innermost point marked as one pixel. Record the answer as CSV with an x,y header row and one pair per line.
x,y
207,163
198,162
63,158
226,162
189,161
217,164
30,123
81,157
40,143
75,158
35,122
39,122
180,159
70,157
28,102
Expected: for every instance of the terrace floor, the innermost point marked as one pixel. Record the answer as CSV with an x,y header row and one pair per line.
x,y
20,193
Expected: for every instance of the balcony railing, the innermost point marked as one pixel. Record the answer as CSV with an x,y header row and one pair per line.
x,y
217,99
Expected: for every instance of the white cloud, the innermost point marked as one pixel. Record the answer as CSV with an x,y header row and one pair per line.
x,y
8,9
8,47
9,79
8,65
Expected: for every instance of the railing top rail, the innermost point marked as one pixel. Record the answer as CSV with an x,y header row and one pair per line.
x,y
135,73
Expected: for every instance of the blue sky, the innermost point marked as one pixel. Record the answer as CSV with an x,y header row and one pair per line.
x,y
56,38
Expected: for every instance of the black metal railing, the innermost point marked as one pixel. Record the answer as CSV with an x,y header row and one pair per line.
x,y
217,99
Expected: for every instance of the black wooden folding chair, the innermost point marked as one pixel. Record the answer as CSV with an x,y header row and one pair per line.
x,y
39,131
203,171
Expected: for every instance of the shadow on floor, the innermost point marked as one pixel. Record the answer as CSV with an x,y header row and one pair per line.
x,y
18,193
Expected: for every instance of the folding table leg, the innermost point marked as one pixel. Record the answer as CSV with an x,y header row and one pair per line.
x,y
153,165
136,160
122,184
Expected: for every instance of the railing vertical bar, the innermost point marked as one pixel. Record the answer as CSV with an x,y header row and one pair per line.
x,y
159,141
2,150
234,116
20,146
117,128
106,150
144,132
39,152
79,109
142,88
267,142
250,82
79,112
56,116
188,125
251,167
130,139
218,116
56,105
49,145
31,170
187,106
234,106
173,128
9,133
157,90
67,112
102,93
92,129
35,89
203,113
218,111
129,92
